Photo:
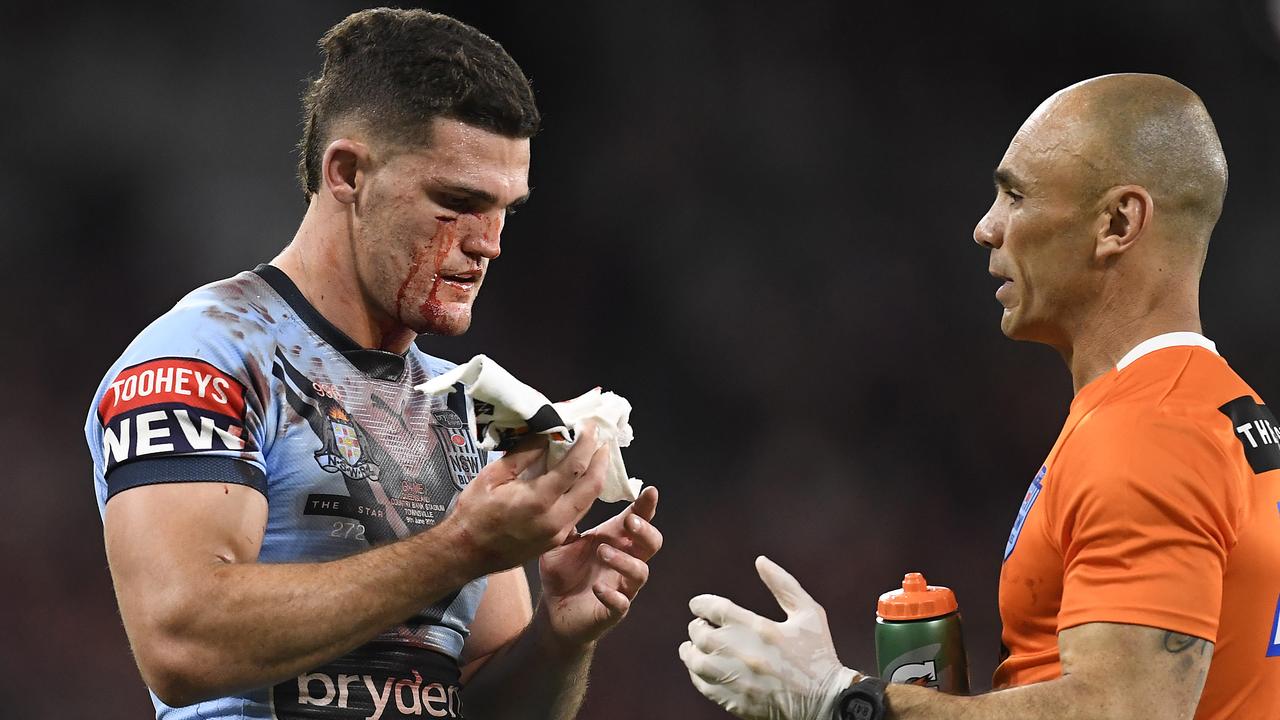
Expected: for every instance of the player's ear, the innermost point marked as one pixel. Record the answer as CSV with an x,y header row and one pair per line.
x,y
1125,212
343,168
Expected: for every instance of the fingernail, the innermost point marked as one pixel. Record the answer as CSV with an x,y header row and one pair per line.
x,y
607,552
633,522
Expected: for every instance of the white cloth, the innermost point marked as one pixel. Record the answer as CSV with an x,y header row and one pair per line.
x,y
507,409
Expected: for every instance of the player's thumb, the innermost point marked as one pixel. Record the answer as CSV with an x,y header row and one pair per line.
x,y
784,587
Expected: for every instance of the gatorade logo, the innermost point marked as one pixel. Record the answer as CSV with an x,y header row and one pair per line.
x,y
915,667
924,674
1028,500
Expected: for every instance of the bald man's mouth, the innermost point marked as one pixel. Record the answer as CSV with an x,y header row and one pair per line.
x,y
1004,293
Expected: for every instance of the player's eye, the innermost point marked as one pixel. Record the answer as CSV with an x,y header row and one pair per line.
x,y
1013,196
457,204
445,218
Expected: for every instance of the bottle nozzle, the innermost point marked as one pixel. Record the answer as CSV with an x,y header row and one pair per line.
x,y
916,600
914,582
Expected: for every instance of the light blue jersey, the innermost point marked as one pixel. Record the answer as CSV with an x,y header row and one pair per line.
x,y
244,382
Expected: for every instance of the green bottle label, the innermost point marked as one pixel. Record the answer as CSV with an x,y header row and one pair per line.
x,y
929,653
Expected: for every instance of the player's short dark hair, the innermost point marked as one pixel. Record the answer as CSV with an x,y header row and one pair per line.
x,y
395,70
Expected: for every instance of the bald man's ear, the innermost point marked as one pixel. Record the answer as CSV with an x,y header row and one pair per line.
x,y
1126,213
343,168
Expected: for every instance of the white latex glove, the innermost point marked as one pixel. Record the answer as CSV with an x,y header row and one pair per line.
x,y
759,669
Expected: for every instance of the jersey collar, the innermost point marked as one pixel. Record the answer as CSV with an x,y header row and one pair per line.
x,y
378,364
1166,340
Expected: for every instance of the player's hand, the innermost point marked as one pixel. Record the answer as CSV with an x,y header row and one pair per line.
x,y
516,509
588,583
760,669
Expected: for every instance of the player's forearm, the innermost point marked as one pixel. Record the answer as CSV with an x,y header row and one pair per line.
x,y
534,678
1065,697
233,626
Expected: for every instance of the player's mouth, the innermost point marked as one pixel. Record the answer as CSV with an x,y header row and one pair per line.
x,y
465,280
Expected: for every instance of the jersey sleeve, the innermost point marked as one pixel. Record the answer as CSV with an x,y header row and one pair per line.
x,y
181,405
1148,511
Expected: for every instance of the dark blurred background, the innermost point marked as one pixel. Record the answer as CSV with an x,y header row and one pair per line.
x,y
757,220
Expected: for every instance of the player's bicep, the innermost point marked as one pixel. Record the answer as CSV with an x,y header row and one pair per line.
x,y
1137,671
161,538
504,612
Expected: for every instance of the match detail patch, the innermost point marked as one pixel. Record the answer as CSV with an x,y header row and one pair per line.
x,y
170,406
1257,431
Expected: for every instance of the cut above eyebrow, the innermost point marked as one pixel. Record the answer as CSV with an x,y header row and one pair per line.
x,y
482,195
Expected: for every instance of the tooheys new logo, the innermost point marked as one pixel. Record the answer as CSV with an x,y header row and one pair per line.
x,y
171,406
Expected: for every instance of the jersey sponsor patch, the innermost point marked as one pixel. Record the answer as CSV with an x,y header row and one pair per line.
x,y
170,406
385,681
1258,432
1028,500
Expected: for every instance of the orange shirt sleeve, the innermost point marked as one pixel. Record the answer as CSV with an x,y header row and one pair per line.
x,y
1146,506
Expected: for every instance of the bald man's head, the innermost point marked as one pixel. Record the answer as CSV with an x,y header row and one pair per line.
x,y
1105,199
1148,130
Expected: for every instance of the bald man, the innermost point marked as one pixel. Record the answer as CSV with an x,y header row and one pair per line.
x,y
1142,575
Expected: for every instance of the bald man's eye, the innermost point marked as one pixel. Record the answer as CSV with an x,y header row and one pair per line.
x,y
1013,196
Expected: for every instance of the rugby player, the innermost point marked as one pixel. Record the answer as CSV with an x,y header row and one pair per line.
x,y
292,531
1140,579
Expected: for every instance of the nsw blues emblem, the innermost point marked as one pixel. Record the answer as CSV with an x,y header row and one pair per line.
x,y
460,451
343,451
1028,500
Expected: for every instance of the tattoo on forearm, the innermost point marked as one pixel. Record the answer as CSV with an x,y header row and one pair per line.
x,y
1178,643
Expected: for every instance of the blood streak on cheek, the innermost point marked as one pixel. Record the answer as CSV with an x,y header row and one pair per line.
x,y
441,243
430,308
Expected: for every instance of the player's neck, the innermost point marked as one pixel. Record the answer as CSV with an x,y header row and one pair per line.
x,y
1118,327
319,261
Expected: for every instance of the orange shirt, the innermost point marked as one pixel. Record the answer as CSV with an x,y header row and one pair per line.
x,y
1159,505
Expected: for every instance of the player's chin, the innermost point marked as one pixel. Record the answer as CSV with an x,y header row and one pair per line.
x,y
448,319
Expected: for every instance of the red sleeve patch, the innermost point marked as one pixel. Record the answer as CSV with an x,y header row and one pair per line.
x,y
172,406
182,381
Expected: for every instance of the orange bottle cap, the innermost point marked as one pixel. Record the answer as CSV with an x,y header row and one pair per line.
x,y
917,600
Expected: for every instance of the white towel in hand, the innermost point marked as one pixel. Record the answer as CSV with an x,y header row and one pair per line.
x,y
507,409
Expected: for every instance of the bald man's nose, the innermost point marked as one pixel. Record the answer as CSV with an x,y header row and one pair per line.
x,y
986,232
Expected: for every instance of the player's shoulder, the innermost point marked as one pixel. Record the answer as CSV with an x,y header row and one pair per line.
x,y
237,304
229,317
223,329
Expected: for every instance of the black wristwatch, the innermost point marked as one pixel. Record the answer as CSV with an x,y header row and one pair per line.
x,y
863,700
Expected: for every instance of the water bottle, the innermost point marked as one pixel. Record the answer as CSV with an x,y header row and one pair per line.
x,y
918,637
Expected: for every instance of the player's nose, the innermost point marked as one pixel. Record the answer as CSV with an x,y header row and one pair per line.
x,y
484,235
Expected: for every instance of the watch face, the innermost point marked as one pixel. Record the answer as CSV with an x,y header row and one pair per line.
x,y
859,709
